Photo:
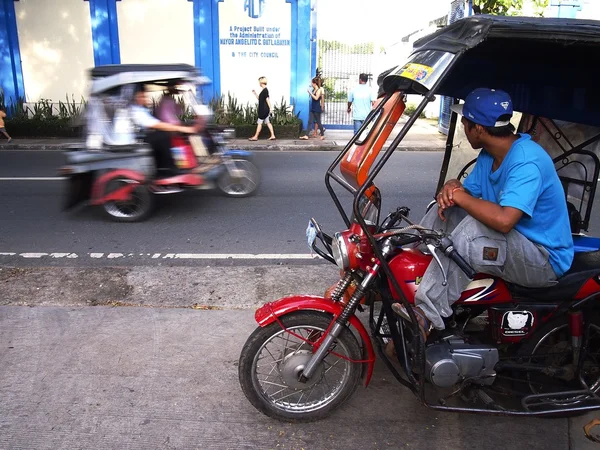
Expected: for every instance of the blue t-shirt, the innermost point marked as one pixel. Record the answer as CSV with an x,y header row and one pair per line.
x,y
527,180
361,98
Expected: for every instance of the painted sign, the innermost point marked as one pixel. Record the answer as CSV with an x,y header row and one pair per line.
x,y
255,41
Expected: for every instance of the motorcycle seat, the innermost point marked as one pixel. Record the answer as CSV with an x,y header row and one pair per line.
x,y
584,266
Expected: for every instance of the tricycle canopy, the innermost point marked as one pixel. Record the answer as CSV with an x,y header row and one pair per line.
x,y
546,65
106,78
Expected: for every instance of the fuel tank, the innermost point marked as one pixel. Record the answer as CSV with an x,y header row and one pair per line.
x,y
409,267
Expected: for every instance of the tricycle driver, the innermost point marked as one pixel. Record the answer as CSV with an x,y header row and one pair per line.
x,y
509,218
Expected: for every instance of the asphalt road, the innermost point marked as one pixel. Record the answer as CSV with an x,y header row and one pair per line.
x,y
86,373
199,222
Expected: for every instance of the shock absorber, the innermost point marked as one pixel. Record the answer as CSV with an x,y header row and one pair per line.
x,y
576,329
341,287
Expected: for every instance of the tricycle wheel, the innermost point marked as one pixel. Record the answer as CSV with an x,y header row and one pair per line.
x,y
134,209
239,179
273,359
551,346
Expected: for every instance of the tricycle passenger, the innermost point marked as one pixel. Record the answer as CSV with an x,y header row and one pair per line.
x,y
508,219
158,135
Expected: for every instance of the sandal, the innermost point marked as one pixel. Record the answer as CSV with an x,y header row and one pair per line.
x,y
304,138
423,322
272,138
253,139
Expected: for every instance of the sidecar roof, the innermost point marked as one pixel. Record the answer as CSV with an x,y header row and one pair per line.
x,y
110,76
548,66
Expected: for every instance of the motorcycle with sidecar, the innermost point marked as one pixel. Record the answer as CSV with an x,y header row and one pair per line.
x,y
506,349
122,176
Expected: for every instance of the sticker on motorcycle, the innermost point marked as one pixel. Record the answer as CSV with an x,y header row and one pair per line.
x,y
417,72
517,323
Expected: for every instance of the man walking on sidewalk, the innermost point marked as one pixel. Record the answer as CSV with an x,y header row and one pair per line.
x,y
2,129
360,101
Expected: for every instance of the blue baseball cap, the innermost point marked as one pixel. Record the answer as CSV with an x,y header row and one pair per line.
x,y
485,106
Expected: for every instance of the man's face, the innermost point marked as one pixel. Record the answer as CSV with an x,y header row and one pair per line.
x,y
141,98
473,133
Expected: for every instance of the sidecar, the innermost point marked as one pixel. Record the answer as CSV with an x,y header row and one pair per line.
x,y
541,63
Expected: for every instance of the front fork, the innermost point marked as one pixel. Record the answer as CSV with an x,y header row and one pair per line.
x,y
342,320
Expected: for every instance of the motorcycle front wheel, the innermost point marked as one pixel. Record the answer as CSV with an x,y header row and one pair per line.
x,y
272,361
239,179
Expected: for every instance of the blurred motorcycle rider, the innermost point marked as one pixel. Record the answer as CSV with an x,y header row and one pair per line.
x,y
158,132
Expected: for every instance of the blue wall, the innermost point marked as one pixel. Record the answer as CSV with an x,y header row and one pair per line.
x,y
11,73
105,38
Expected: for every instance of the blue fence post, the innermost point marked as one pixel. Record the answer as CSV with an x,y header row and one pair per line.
x,y
105,32
11,72
206,45
300,73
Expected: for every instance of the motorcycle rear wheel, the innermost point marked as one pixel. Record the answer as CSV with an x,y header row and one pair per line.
x,y
272,360
242,182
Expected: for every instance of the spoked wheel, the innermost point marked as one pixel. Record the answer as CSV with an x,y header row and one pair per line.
x,y
272,361
135,209
239,179
554,350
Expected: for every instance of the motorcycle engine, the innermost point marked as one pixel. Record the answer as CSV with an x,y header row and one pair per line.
x,y
453,361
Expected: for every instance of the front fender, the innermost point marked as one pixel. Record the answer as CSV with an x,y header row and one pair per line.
x,y
270,312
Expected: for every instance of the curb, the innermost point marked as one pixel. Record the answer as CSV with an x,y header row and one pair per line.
x,y
325,146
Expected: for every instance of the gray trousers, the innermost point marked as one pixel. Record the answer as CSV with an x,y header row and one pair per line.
x,y
510,256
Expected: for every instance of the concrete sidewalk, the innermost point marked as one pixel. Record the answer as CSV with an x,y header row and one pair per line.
x,y
162,374
148,378
424,136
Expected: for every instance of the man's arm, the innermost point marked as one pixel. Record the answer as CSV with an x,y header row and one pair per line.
x,y
142,118
499,218
163,126
350,100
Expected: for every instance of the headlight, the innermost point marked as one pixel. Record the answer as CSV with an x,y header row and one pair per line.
x,y
340,251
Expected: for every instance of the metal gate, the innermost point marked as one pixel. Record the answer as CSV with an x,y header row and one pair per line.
x,y
458,10
339,64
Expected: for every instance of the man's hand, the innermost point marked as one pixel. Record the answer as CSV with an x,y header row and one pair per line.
x,y
188,130
444,198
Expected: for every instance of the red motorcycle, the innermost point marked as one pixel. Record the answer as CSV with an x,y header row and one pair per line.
x,y
506,349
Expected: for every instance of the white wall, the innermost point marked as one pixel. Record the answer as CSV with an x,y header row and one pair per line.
x,y
242,64
55,39
156,31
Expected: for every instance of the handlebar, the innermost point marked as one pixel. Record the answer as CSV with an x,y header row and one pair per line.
x,y
448,248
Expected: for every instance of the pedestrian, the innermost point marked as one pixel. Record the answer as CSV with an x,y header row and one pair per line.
x,y
316,108
2,129
264,110
360,101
